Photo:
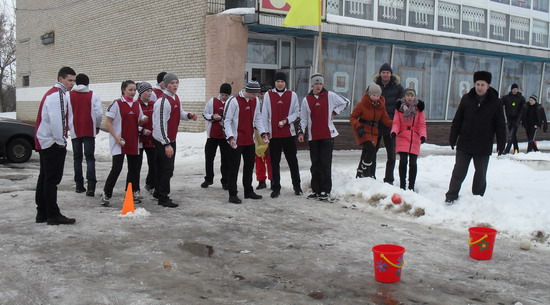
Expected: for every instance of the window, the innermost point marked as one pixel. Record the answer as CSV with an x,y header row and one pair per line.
x,y
522,3
462,77
427,72
392,11
474,21
362,9
502,1
500,29
421,14
541,5
519,30
524,73
545,95
448,19
370,57
26,81
262,51
540,33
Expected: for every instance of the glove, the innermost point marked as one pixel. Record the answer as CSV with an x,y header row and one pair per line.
x,y
422,140
393,135
361,131
452,146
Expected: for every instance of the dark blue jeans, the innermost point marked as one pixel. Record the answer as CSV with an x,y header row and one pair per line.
x,y
78,153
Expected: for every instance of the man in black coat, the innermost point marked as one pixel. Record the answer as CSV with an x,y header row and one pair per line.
x,y
514,103
391,91
478,118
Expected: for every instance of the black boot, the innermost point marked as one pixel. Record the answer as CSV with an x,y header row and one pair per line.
x,y
91,189
403,184
80,187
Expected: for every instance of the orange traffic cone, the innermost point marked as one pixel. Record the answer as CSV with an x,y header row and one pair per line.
x,y
128,205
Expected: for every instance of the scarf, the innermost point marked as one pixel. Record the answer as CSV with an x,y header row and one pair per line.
x,y
408,109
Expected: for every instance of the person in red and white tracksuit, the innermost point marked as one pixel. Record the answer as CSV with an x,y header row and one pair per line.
x,y
158,89
280,110
124,118
213,113
167,114
146,145
318,109
85,114
241,116
51,143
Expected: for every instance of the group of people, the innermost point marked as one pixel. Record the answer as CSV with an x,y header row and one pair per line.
x,y
258,125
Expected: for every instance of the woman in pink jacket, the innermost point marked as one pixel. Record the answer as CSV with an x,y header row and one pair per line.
x,y
409,131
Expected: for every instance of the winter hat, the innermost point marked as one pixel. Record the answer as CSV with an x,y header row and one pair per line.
x,y
169,77
410,90
483,75
252,87
280,76
373,88
160,77
143,86
225,88
82,79
316,78
534,97
265,88
385,67
514,86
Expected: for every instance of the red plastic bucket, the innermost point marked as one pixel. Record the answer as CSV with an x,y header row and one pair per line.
x,y
481,242
388,262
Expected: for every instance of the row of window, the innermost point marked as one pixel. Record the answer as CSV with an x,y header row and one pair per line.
x,y
440,77
451,17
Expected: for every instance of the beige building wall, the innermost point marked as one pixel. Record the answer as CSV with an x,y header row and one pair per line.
x,y
112,41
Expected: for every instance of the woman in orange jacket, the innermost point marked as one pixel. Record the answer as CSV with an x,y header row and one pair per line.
x,y
365,119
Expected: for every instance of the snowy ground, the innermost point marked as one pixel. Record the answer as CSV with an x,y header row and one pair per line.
x,y
279,251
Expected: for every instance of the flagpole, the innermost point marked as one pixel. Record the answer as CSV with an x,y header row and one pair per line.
x,y
320,40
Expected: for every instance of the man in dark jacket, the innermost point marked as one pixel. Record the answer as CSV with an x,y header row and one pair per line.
x,y
391,91
513,106
478,118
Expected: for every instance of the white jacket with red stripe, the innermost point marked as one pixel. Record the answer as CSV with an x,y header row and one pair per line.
x,y
51,122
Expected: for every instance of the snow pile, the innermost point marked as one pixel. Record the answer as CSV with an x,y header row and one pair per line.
x,y
138,213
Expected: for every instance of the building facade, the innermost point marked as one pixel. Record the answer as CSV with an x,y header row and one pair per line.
x,y
434,46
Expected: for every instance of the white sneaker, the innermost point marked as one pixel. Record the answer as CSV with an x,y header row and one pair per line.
x,y
105,200
137,197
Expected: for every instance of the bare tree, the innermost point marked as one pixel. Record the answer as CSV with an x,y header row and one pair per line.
x,y
7,63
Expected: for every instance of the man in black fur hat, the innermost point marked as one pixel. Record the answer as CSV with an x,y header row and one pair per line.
x,y
478,119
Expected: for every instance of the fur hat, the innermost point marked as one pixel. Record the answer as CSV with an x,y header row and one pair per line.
x,y
143,86
514,86
385,67
373,88
82,79
169,77
225,88
280,76
252,87
483,75
316,78
534,97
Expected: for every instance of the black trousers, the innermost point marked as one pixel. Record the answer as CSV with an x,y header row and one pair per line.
x,y
151,177
52,162
210,149
407,160
365,163
131,177
512,136
389,143
248,154
165,171
320,152
288,147
531,144
462,162
78,155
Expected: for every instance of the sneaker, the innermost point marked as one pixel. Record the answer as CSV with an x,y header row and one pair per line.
x,y
205,184
275,194
261,185
168,203
105,200
137,197
323,196
252,196
80,188
90,193
298,191
61,220
313,196
235,200
449,201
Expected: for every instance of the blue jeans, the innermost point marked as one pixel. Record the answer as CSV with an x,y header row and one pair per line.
x,y
89,148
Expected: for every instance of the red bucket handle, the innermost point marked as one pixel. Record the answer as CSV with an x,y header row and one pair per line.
x,y
478,241
392,264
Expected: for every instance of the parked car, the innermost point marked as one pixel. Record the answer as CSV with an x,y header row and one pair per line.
x,y
16,140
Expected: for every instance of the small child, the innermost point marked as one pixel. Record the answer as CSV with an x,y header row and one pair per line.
x,y
409,132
